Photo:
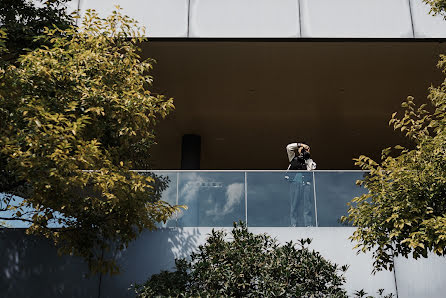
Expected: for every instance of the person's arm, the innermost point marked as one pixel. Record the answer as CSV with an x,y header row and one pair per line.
x,y
304,146
291,149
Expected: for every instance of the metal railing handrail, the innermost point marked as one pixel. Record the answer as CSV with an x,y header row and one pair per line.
x,y
249,171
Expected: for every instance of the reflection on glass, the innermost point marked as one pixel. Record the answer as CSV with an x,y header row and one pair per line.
x,y
166,187
280,199
274,199
301,200
333,191
213,199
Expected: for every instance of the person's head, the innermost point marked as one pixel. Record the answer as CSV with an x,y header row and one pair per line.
x,y
302,149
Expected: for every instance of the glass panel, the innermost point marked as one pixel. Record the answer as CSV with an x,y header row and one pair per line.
x,y
333,191
214,199
275,199
280,199
166,184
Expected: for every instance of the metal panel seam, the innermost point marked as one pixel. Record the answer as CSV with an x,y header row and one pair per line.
x,y
300,18
188,18
394,276
78,12
411,21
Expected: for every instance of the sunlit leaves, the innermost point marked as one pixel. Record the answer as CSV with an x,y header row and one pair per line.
x,y
71,113
438,7
404,212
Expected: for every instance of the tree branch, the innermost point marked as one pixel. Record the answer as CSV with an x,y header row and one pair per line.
x,y
16,218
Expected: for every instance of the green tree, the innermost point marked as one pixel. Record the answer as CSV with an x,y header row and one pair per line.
x,y
404,211
438,7
248,265
23,20
70,115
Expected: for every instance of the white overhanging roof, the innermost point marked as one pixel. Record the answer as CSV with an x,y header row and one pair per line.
x,y
277,18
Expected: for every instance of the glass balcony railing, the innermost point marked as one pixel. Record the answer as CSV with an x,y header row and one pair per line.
x,y
259,198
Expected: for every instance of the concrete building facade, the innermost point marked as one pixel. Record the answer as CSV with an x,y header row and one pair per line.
x,y
248,77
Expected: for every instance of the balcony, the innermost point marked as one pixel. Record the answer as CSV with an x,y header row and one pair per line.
x,y
260,198
216,199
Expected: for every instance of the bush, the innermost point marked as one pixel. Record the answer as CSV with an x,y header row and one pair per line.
x,y
249,266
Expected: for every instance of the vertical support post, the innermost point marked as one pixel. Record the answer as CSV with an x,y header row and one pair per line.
x,y
178,184
246,198
315,201
178,190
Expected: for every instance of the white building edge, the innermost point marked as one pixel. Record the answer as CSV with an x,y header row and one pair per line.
x,y
277,18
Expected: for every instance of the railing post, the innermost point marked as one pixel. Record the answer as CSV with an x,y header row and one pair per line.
x,y
315,201
178,186
178,183
246,199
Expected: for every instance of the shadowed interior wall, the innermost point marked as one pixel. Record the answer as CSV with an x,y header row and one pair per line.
x,y
249,99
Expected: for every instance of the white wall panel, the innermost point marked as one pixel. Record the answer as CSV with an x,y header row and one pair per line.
x,y
155,251
30,262
426,25
151,253
334,245
244,18
162,18
356,18
422,277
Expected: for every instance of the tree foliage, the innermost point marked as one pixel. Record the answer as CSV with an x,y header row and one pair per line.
x,y
248,266
70,116
405,210
438,7
23,20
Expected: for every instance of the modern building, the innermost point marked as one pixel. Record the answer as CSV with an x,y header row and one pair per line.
x,y
248,77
